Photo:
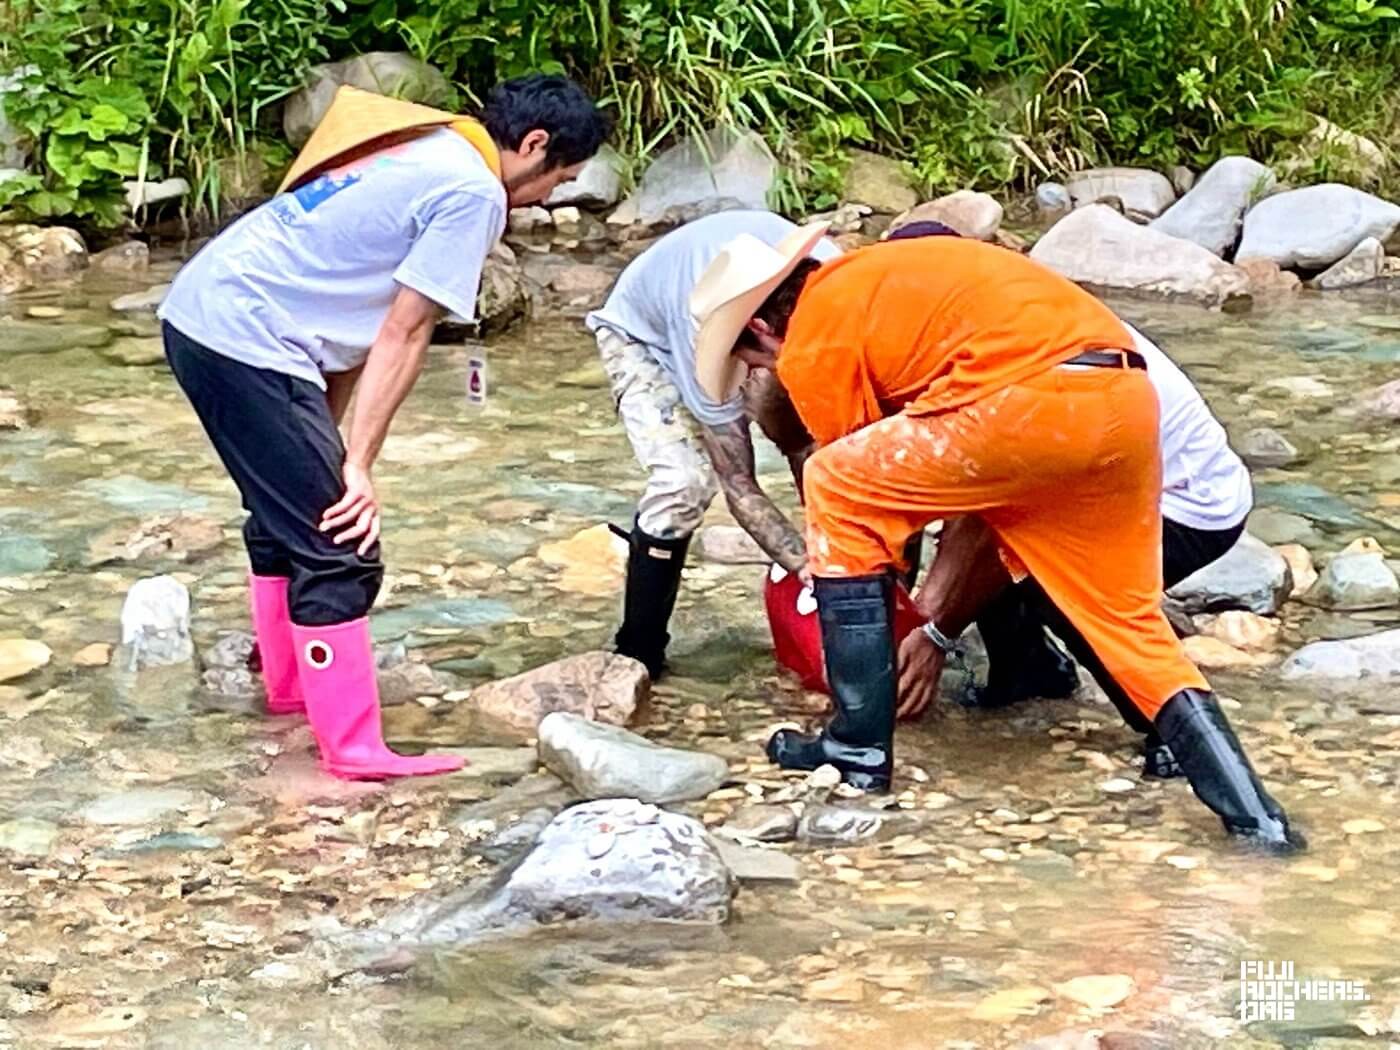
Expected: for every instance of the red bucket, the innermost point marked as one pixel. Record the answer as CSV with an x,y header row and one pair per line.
x,y
797,633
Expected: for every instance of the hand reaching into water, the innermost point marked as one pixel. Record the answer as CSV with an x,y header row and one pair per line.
x,y
920,667
358,508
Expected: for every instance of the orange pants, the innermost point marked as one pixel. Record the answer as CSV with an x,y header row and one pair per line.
x,y
1064,467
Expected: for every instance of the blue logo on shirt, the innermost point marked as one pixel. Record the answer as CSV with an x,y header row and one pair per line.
x,y
318,191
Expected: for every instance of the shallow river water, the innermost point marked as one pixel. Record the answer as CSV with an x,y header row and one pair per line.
x,y
172,866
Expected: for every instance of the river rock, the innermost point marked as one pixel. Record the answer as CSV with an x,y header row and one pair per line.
x,y
21,555
1211,214
1098,991
1300,564
583,284
27,836
731,545
144,194
761,823
21,656
14,413
621,860
1265,447
1212,654
528,220
1351,156
1356,581
1269,282
1313,227
593,560
1243,630
33,255
879,183
599,183
155,624
1097,246
1370,656
134,351
730,164
172,537
148,300
1052,200
127,257
972,214
1276,526
1249,576
757,863
1383,402
604,761
1364,263
137,806
43,337
504,297
824,825
600,686
1145,194
383,72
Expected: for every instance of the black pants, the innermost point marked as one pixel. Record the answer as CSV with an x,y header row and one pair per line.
x,y
1014,624
279,443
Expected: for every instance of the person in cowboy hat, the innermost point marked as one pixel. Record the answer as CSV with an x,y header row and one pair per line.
x,y
383,225
689,442
1206,497
943,377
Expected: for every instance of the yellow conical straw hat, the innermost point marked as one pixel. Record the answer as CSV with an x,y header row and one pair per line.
x,y
358,118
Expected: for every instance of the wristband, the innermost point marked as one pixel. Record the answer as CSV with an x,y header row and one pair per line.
x,y
938,638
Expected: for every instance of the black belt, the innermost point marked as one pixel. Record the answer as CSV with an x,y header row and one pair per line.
x,y
1109,359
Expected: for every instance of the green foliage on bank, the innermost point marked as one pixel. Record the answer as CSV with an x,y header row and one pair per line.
x,y
967,92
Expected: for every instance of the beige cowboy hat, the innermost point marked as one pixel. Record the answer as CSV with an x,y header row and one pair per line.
x,y
730,291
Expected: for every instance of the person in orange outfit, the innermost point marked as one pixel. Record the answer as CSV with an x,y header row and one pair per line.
x,y
945,377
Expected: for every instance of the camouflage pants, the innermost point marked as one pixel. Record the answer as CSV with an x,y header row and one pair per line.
x,y
665,437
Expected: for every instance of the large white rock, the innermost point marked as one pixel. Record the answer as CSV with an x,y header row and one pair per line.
x,y
1315,226
609,861
1372,656
602,761
14,148
1097,246
143,194
621,859
1359,580
723,165
1211,214
1251,576
1362,264
599,184
599,686
383,72
155,624
1144,193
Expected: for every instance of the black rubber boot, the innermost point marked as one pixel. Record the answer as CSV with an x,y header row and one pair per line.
x,y
1022,661
1192,724
1157,759
857,617
653,581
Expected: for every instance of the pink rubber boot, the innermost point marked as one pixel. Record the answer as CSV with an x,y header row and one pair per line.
x,y
272,623
336,665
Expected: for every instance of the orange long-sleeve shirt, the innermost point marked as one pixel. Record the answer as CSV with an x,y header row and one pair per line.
x,y
929,324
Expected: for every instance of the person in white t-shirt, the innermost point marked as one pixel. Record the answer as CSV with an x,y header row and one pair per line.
x,y
386,223
690,445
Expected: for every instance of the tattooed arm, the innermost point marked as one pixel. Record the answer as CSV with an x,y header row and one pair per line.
x,y
731,453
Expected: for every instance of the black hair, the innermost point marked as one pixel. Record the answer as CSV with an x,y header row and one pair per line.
x,y
777,309
540,101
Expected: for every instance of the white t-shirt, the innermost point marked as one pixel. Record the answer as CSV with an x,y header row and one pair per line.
x,y
650,304
302,284
1204,484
